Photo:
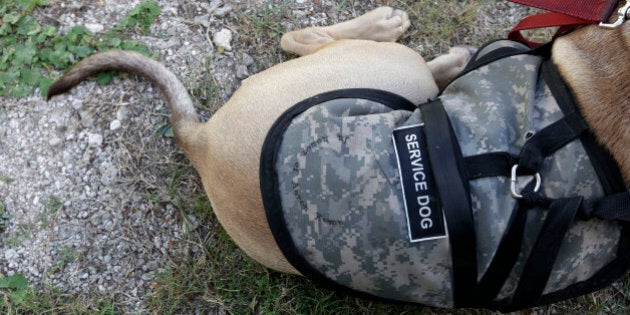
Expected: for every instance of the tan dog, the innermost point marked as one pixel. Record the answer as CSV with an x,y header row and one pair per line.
x,y
592,60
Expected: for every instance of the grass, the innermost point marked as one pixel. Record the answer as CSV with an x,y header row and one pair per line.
x,y
18,297
30,52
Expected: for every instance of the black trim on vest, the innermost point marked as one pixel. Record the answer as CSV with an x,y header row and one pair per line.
x,y
496,54
500,53
269,182
446,160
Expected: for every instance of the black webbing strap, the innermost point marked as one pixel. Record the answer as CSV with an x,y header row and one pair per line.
x,y
543,255
548,140
491,164
613,207
444,154
509,247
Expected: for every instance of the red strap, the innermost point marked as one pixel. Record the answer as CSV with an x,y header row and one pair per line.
x,y
547,19
591,10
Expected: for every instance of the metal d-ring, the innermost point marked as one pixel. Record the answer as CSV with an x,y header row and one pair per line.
x,y
514,181
623,14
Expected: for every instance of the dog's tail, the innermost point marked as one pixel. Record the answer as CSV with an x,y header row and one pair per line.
x,y
183,115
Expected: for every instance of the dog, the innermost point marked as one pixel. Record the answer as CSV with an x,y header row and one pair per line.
x,y
357,54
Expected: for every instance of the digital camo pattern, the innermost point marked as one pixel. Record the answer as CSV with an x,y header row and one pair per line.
x,y
342,199
343,205
493,109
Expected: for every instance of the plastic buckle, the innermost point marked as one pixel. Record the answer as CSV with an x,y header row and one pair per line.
x,y
514,181
623,14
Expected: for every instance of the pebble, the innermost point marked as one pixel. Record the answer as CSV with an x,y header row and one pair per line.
x,y
54,141
242,72
223,39
223,11
95,139
247,60
115,125
95,27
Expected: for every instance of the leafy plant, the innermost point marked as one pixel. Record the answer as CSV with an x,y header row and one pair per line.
x,y
18,297
14,288
30,51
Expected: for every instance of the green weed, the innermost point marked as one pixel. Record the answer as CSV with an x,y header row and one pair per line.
x,y
18,297
29,52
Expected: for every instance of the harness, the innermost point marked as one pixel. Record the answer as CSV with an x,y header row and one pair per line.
x,y
493,195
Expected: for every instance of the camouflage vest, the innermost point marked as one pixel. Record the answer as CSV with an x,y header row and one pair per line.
x,y
369,192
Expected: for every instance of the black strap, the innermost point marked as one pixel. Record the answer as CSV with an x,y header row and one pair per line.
x,y
489,165
510,246
505,257
543,255
548,140
487,54
613,207
444,154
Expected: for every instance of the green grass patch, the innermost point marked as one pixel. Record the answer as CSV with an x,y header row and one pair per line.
x,y
18,297
29,51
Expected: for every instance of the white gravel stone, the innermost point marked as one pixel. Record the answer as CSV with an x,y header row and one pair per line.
x,y
95,27
115,125
95,139
223,38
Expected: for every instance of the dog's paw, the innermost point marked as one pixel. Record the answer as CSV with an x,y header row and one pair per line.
x,y
384,24
462,54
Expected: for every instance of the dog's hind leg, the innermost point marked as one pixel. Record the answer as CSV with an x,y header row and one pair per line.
x,y
384,24
446,67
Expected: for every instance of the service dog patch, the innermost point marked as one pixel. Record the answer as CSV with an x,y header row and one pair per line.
x,y
425,219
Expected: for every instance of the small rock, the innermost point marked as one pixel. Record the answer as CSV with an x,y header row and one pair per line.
x,y
204,20
94,27
10,254
115,125
241,72
76,104
87,119
248,60
223,11
223,38
172,42
299,14
54,141
122,113
95,139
